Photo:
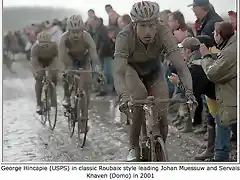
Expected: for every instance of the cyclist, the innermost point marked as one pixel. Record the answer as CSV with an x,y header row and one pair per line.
x,y
77,50
138,72
44,54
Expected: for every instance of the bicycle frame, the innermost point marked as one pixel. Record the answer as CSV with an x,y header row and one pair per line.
x,y
46,79
148,105
78,82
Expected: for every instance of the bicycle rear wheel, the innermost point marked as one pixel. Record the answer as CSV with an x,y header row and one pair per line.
x,y
52,111
82,119
161,150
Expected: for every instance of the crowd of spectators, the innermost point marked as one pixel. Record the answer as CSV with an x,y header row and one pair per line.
x,y
210,50
209,47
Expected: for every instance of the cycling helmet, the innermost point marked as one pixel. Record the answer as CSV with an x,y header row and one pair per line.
x,y
44,37
75,22
144,11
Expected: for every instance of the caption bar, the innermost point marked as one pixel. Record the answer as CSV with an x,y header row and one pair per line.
x,y
117,171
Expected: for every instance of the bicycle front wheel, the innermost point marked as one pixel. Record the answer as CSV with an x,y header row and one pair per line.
x,y
52,113
72,113
82,108
161,150
44,107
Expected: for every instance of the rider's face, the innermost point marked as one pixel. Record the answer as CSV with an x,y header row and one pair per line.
x,y
75,34
146,31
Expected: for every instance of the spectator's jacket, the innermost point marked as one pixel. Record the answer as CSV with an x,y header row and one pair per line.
x,y
206,26
223,72
201,84
56,33
103,42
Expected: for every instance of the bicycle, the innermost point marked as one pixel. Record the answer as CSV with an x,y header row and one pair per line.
x,y
155,149
78,109
47,87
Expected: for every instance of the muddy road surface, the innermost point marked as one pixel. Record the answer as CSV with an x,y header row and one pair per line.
x,y
25,139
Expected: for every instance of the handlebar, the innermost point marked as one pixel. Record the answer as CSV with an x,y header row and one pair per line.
x,y
47,69
80,71
151,101
157,101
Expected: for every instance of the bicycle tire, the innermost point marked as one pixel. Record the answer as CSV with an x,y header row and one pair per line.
x,y
162,149
82,121
52,125
44,107
146,153
72,117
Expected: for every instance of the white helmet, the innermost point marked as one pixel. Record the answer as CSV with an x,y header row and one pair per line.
x,y
75,22
144,11
44,37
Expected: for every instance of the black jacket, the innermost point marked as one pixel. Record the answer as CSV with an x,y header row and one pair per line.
x,y
103,42
201,84
206,26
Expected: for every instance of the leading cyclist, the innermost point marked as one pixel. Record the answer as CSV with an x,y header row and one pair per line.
x,y
139,51
44,54
77,50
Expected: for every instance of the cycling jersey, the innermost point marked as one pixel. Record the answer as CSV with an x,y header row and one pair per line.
x,y
44,56
72,50
130,51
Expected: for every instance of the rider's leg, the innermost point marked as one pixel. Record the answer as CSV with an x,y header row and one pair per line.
x,y
54,77
53,93
138,91
66,99
67,65
87,87
38,89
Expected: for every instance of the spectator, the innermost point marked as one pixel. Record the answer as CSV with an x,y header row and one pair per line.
x,y
211,103
223,72
201,84
54,30
206,18
233,17
124,20
64,25
103,47
163,17
113,16
204,11
11,43
179,27
91,23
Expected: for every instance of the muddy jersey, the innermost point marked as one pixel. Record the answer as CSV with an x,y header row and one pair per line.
x,y
44,54
77,50
130,51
